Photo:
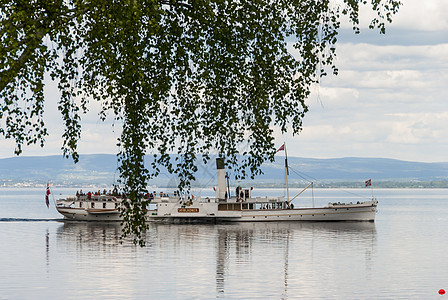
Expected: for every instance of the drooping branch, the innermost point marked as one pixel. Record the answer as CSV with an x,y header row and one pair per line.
x,y
191,78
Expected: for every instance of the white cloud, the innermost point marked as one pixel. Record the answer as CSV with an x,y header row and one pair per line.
x,y
415,128
332,98
395,57
428,15
422,15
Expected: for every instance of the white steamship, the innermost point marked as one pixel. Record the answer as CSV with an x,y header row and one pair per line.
x,y
241,207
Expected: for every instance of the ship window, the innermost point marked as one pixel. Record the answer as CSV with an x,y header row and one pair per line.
x,y
229,206
92,205
116,205
80,204
104,205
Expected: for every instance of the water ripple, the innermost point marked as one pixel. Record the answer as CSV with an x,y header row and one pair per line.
x,y
28,220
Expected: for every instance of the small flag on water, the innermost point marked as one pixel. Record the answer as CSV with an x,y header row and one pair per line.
x,y
47,193
369,182
282,147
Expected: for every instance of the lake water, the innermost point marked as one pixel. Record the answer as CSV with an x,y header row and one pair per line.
x,y
403,255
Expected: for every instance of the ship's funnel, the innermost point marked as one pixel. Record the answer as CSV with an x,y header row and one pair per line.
x,y
221,178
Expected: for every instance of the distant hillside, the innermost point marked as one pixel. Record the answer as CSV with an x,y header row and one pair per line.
x,y
351,168
100,169
91,169
352,171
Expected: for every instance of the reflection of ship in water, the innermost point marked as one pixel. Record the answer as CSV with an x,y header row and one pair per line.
x,y
90,234
239,241
241,233
287,249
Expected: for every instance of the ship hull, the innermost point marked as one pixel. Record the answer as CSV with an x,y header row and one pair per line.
x,y
357,214
360,213
325,214
81,214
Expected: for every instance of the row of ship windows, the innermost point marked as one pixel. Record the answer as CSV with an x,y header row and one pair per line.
x,y
92,205
241,206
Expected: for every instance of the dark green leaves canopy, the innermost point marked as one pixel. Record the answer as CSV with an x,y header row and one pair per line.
x,y
188,77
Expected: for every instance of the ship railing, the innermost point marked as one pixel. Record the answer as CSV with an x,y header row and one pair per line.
x,y
265,199
95,198
363,203
204,200
234,199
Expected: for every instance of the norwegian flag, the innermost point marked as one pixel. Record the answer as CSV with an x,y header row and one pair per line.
x,y
47,193
282,147
369,182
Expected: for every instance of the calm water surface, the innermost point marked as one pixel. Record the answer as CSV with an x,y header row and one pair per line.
x,y
402,255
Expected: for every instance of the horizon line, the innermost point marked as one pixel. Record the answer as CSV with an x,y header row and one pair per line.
x,y
299,157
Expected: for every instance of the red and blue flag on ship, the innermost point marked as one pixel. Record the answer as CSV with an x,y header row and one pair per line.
x,y
282,147
47,194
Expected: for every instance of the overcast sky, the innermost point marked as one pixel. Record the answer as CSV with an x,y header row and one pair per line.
x,y
389,99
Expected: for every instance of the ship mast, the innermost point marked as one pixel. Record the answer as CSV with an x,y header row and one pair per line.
x,y
283,147
286,172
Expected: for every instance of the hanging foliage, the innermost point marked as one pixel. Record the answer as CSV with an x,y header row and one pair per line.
x,y
190,77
